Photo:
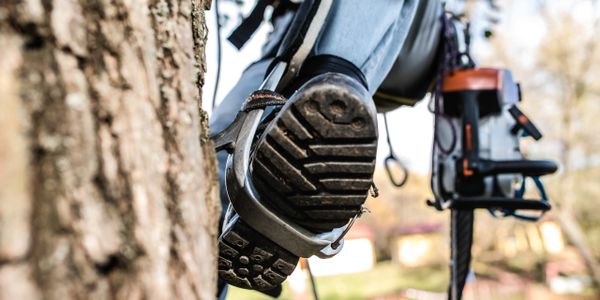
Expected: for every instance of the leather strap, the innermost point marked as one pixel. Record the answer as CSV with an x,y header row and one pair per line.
x,y
262,99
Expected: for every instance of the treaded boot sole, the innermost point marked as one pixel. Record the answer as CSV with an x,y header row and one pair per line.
x,y
249,260
314,164
315,161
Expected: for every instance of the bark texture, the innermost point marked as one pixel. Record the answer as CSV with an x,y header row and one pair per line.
x,y
108,183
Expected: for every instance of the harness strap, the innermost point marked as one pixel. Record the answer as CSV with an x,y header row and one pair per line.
x,y
249,25
243,32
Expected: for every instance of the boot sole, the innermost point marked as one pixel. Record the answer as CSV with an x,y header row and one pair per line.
x,y
314,164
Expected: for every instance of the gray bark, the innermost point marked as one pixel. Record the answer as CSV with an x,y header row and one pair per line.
x,y
108,183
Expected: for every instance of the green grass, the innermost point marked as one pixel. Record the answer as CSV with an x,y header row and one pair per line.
x,y
384,279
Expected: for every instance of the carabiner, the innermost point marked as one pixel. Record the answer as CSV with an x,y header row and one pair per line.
x,y
393,160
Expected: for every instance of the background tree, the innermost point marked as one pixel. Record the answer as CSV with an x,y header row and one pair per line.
x,y
556,57
107,178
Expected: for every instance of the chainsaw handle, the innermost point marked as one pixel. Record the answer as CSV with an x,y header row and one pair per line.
x,y
524,167
499,203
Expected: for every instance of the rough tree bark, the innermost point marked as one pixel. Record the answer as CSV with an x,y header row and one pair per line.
x,y
107,178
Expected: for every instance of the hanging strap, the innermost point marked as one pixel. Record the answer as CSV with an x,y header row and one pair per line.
x,y
249,25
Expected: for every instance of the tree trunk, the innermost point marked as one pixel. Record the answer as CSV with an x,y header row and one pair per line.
x,y
108,183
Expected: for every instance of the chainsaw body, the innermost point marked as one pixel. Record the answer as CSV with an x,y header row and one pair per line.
x,y
478,161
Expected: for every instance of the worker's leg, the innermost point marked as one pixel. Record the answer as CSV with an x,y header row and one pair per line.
x,y
369,34
296,165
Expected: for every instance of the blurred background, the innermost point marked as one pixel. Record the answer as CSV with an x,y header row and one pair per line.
x,y
400,249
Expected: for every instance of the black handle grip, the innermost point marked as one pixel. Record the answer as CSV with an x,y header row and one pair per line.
x,y
524,167
499,202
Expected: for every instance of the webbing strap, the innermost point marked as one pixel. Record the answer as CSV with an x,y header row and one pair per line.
x,y
519,195
249,25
